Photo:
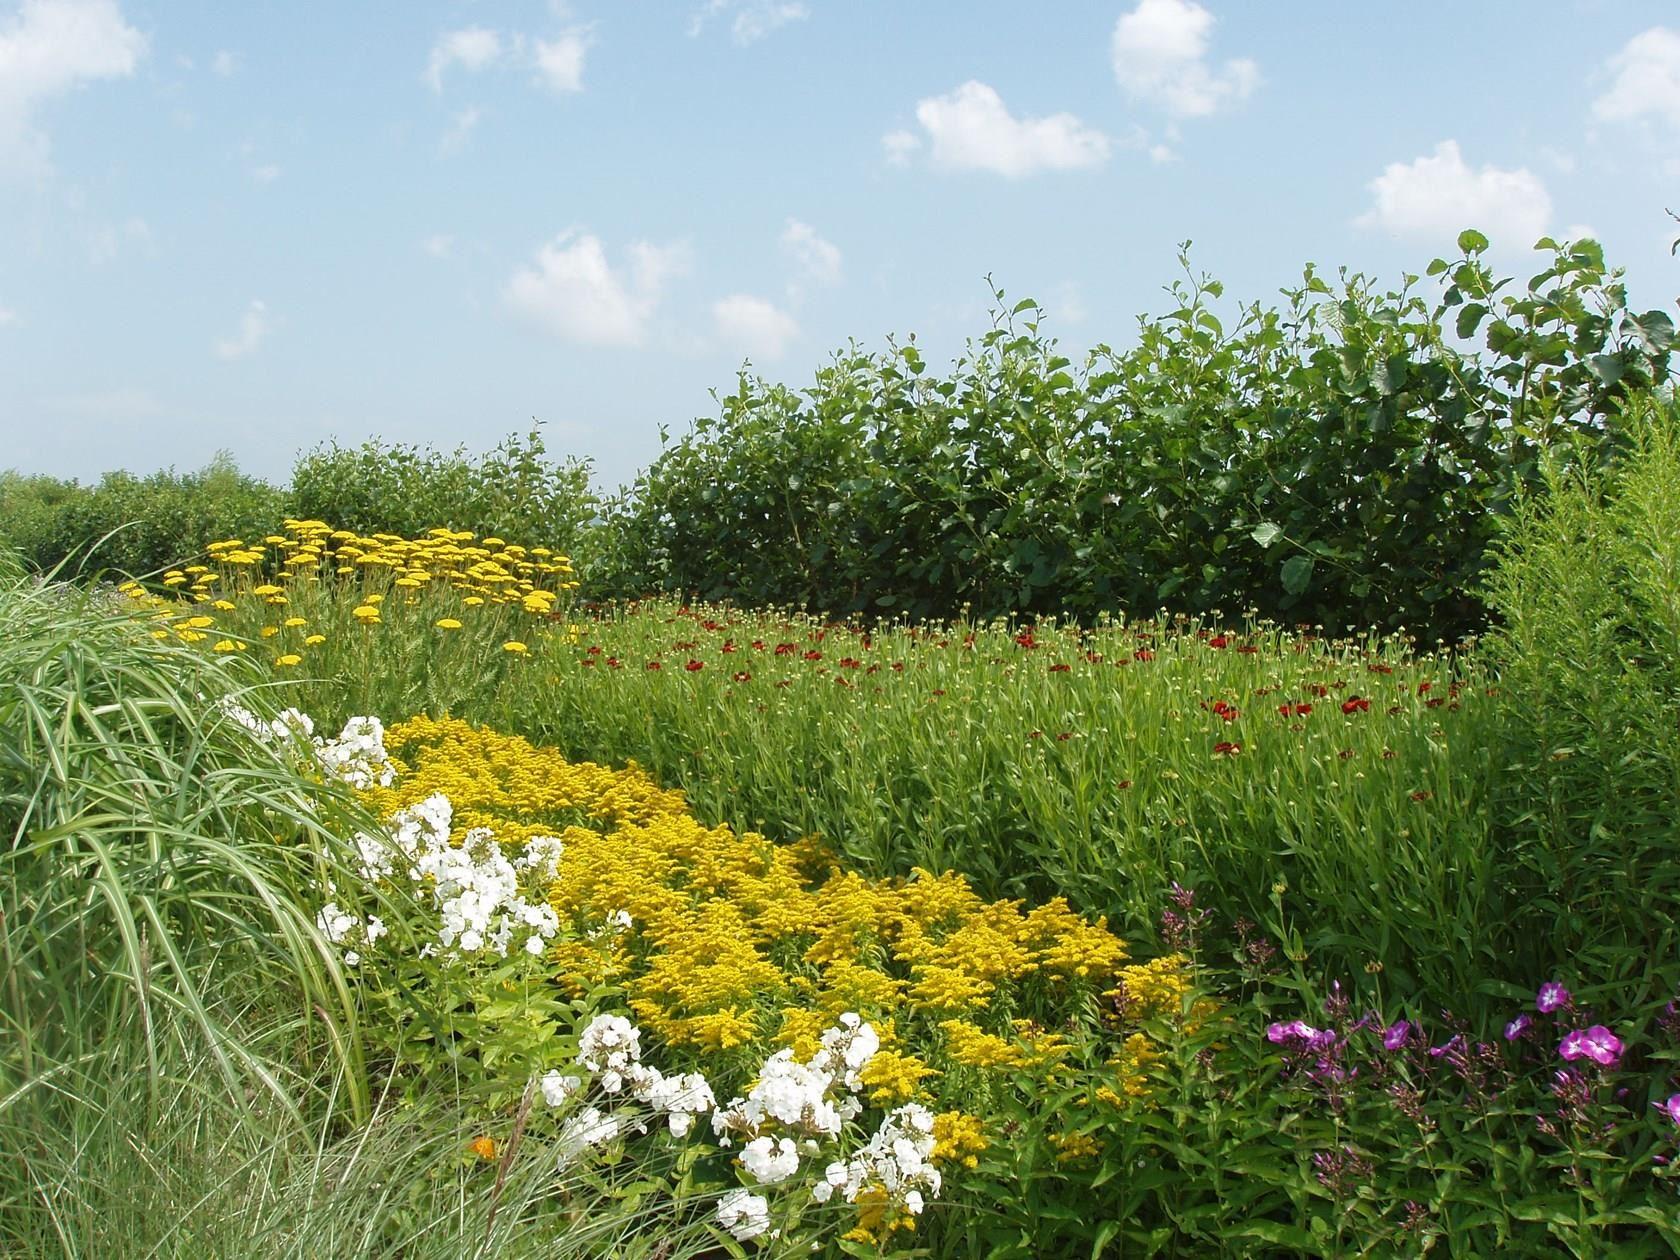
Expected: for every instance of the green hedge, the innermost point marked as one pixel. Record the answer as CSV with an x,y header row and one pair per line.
x,y
1338,460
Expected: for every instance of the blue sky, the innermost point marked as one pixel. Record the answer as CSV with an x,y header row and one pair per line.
x,y
259,226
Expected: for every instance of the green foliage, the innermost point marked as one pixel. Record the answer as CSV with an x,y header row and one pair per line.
x,y
1247,1148
133,525
512,491
1334,462
1588,650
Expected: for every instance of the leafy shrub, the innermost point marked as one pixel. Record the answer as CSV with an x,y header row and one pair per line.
x,y
1588,651
1335,461
152,521
513,491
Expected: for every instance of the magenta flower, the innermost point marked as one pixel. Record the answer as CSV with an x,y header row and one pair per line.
x,y
1551,997
1294,1030
1671,1108
1517,1027
1396,1035
1597,1043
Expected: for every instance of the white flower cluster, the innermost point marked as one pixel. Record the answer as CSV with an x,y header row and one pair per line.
x,y
610,1051
805,1098
343,928
894,1160
792,1113
357,757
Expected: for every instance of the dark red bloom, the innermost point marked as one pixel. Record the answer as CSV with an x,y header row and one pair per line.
x,y
614,663
1319,690
741,675
655,665
813,655
1218,641
1065,735
1035,734
1294,710
1143,654
758,645
1060,669
1226,748
1355,704
594,649
786,649
694,666
1124,784
850,662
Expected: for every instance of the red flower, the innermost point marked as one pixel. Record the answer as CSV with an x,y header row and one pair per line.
x,y
1025,639
813,655
1218,641
1035,734
695,666
1060,669
1319,690
1377,667
655,665
1354,704
786,649
741,675
1226,711
850,662
1065,736
1124,784
1422,795
594,649
1248,649
614,663
1143,654
587,661
1294,710
1226,748
758,645
728,645
898,667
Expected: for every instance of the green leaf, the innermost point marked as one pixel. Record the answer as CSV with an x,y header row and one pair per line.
x,y
1470,318
1471,241
1266,533
1297,574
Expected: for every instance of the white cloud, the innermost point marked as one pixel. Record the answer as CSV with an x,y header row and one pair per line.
x,y
571,290
1647,82
439,245
754,325
267,173
48,48
473,48
815,260
8,317
560,61
1159,52
970,129
224,64
1439,195
752,20
105,244
253,327
460,130
900,146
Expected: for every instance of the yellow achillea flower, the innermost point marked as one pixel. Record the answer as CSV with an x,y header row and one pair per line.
x,y
515,646
447,623
224,645
289,659
314,640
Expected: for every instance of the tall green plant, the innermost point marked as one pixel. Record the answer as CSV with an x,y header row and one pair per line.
x,y
1588,647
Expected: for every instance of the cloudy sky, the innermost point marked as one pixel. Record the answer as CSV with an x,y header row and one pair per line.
x,y
262,225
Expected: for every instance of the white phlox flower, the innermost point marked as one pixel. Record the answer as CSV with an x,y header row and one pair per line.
x,y
744,1214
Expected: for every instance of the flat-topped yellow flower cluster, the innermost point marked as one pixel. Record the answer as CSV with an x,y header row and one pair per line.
x,y
490,569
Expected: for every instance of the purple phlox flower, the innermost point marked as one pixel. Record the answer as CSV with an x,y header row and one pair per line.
x,y
1455,1046
1552,996
1671,1108
1295,1030
1396,1034
1515,1030
1597,1043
